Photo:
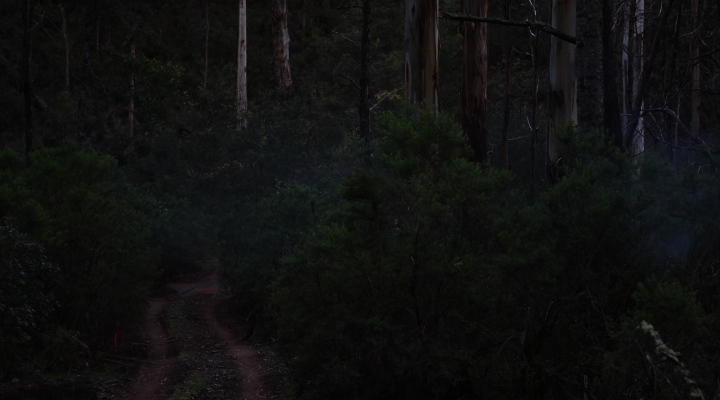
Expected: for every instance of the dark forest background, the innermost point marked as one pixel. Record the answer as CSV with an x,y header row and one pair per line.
x,y
391,266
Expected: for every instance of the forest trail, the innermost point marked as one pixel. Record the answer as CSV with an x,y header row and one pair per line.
x,y
155,372
193,354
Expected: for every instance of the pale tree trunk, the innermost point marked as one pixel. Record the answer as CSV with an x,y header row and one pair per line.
x,y
131,108
563,82
421,53
695,105
281,46
241,94
28,8
642,72
638,140
589,65
632,71
474,82
207,43
67,46
364,103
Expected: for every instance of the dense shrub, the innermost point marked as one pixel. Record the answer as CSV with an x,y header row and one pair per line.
x,y
25,299
76,205
437,279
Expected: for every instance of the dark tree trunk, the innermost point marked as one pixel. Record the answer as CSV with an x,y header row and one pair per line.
x,y
28,8
474,83
508,72
131,114
611,107
281,46
563,81
241,87
207,42
589,65
67,46
364,103
421,53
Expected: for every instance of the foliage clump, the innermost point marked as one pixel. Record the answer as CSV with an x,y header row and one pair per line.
x,y
75,205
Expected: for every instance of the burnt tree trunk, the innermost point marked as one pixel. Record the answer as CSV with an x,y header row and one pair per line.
x,y
473,91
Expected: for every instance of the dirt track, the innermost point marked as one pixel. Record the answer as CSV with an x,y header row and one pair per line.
x,y
193,354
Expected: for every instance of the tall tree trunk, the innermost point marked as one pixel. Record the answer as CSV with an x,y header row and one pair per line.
x,y
67,46
505,162
563,82
695,104
28,8
242,101
611,108
421,53
589,65
207,42
638,20
634,139
281,46
364,103
474,83
131,114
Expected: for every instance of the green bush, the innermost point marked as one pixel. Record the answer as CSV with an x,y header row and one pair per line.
x,y
26,303
436,279
77,206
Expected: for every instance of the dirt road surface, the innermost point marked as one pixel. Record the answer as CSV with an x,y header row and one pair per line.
x,y
193,354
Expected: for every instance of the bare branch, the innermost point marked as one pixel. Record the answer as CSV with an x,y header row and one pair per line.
x,y
525,24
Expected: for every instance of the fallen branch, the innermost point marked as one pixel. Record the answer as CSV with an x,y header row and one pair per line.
x,y
524,24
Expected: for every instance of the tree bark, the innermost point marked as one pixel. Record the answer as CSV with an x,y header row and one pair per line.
x,y
207,42
505,161
638,141
281,46
695,99
474,81
563,82
131,108
241,95
28,8
364,103
611,108
589,65
67,46
421,53
635,124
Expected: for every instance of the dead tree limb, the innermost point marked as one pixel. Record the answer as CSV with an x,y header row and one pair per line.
x,y
524,24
